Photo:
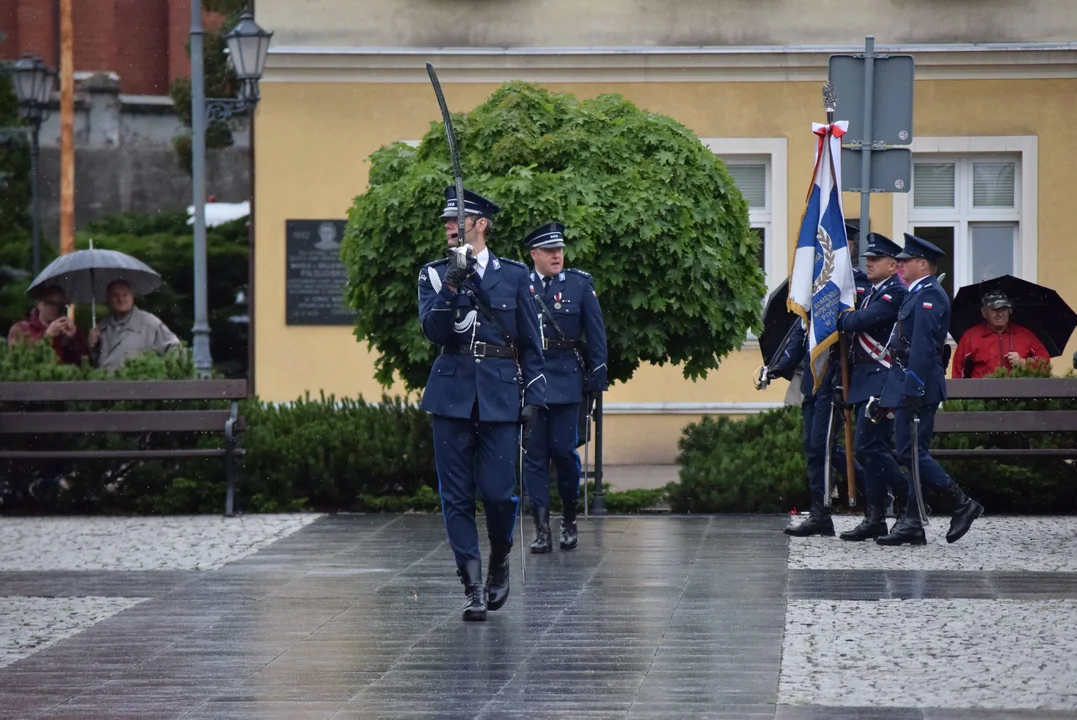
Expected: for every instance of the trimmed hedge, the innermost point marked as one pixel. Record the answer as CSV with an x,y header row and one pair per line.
x,y
757,464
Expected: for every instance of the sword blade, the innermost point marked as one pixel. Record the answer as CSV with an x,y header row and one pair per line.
x,y
916,470
458,175
826,460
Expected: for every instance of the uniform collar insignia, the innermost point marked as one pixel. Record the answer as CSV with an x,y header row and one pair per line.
x,y
494,261
561,277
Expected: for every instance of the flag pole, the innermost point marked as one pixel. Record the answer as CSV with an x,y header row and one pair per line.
x,y
830,101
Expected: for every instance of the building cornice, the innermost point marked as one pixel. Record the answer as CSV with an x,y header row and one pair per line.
x,y
656,64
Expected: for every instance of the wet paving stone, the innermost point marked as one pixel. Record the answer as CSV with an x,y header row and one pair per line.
x,y
358,616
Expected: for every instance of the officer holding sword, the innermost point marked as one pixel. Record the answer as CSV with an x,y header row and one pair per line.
x,y
566,304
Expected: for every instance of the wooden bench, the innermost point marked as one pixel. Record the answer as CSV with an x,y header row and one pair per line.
x,y
1008,421
28,421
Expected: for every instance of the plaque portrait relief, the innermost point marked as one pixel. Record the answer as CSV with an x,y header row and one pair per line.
x,y
315,276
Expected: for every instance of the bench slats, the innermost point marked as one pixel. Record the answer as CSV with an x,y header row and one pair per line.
x,y
1007,452
117,390
1011,388
113,454
46,423
1014,421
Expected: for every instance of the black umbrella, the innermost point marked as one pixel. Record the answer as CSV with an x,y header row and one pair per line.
x,y
777,321
1036,307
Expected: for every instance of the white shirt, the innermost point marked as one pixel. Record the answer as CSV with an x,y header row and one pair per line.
x,y
481,260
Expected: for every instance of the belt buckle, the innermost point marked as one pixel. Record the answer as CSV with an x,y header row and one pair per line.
x,y
478,351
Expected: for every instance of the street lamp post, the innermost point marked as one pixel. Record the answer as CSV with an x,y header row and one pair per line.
x,y
33,81
248,45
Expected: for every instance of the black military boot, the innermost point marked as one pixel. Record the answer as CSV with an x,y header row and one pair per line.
x,y
909,529
965,510
872,526
818,522
497,575
471,576
543,542
569,536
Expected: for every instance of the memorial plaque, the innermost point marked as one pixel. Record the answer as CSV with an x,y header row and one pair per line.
x,y
315,277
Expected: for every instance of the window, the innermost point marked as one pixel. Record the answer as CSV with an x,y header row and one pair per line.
x,y
975,198
758,167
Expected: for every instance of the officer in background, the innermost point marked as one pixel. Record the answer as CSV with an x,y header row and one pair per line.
x,y
491,352
567,307
916,385
870,326
816,410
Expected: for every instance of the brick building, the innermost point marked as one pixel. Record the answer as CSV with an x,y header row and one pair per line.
x,y
142,41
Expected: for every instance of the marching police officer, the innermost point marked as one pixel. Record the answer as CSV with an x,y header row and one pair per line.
x,y
871,325
491,353
816,411
916,385
567,307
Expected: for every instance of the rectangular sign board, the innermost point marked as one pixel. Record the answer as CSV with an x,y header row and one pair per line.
x,y
892,94
315,276
891,170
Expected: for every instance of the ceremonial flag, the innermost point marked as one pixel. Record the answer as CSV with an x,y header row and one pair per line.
x,y
821,285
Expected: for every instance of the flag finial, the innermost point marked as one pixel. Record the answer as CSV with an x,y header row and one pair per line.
x,y
830,100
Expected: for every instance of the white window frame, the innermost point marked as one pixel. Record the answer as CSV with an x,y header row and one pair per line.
x,y
1021,149
774,219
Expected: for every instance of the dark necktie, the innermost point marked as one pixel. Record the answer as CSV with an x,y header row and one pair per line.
x,y
545,285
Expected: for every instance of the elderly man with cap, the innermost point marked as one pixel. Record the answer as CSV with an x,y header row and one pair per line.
x,y
997,342
870,325
915,386
567,306
483,318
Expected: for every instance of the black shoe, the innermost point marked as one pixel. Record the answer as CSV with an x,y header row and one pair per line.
x,y
471,576
905,532
818,523
497,576
569,534
543,542
965,510
872,526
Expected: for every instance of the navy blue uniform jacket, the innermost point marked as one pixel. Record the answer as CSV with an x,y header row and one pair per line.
x,y
917,342
572,301
871,325
452,320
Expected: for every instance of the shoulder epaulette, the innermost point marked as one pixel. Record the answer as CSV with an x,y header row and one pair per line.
x,y
517,263
437,262
579,272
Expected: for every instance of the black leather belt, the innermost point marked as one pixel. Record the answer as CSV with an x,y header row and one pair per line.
x,y
562,344
481,349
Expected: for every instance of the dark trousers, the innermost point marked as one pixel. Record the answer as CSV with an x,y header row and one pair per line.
x,y
872,449
931,473
472,457
554,438
815,411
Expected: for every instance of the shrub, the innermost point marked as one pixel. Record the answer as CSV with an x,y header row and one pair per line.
x,y
750,465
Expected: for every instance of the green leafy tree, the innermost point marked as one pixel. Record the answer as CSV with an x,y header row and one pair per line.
x,y
649,211
15,243
220,81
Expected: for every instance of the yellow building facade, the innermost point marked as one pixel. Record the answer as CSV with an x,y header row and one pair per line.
x,y
994,150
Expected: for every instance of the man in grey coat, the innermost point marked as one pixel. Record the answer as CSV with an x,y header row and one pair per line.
x,y
127,331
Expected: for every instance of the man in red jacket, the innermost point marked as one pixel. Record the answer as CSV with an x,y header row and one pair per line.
x,y
997,342
48,320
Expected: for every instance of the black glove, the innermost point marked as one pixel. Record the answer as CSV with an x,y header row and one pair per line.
x,y
839,401
876,412
914,404
529,416
455,277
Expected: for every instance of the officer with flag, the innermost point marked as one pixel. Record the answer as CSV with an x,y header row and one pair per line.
x,y
568,310
870,325
478,308
915,386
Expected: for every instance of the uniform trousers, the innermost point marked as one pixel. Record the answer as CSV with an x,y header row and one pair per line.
x,y
476,456
815,411
554,437
872,449
931,473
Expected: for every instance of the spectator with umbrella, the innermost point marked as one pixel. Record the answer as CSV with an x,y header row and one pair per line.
x,y
48,320
1007,322
96,274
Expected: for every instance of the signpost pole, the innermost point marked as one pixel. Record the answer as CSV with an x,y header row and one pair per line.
x,y
865,148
